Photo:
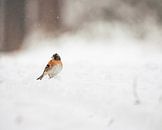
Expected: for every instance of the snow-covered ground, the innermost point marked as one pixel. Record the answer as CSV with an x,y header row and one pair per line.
x,y
101,87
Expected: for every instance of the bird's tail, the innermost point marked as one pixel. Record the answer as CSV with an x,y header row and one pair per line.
x,y
40,78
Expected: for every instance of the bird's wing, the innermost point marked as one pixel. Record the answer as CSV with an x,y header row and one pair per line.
x,y
52,63
48,66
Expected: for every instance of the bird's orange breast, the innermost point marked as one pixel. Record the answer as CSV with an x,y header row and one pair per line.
x,y
54,62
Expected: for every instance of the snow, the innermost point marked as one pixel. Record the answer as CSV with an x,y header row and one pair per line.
x,y
101,87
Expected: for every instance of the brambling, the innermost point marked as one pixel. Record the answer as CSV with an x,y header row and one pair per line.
x,y
53,67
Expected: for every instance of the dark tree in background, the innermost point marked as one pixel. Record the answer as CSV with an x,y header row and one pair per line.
x,y
12,24
19,17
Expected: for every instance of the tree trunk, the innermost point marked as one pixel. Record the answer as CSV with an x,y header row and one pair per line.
x,y
13,24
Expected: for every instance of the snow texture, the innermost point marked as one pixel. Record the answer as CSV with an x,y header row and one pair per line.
x,y
101,87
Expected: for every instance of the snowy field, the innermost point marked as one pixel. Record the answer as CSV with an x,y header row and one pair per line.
x,y
101,87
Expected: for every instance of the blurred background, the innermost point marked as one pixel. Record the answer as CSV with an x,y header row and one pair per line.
x,y
112,64
20,19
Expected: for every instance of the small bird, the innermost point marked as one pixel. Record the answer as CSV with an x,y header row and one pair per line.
x,y
53,67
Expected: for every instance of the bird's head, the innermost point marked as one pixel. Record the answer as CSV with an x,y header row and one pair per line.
x,y
56,57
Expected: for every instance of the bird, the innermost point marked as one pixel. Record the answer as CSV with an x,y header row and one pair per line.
x,y
53,67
